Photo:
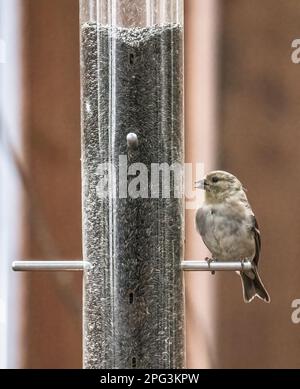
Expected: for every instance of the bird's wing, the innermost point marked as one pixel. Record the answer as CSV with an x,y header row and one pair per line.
x,y
201,221
201,225
255,230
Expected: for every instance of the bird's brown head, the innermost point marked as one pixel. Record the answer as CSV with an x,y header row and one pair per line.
x,y
219,185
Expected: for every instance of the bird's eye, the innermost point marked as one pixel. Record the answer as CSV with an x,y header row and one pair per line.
x,y
215,179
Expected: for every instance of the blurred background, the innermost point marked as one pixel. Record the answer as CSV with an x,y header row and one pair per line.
x,y
242,115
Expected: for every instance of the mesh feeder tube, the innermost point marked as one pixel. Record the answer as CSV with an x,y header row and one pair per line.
x,y
132,116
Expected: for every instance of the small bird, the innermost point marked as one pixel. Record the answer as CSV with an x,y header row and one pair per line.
x,y
229,228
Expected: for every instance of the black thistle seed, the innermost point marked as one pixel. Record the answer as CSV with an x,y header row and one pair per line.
x,y
132,83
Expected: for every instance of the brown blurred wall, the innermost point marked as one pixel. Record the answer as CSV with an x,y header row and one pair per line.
x,y
52,335
200,147
259,141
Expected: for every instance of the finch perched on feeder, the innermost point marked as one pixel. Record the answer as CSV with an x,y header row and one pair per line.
x,y
229,228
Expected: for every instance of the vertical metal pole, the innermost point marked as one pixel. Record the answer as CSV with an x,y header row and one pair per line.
x,y
132,132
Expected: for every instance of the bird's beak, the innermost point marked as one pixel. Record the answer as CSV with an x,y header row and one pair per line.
x,y
202,184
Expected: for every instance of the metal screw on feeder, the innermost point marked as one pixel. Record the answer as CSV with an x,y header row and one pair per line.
x,y
132,140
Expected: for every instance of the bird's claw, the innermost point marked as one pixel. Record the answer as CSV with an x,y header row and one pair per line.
x,y
209,261
243,261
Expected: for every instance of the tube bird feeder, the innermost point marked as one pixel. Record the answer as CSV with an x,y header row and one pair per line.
x,y
132,133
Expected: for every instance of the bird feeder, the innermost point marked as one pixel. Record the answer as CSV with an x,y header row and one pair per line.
x,y
132,130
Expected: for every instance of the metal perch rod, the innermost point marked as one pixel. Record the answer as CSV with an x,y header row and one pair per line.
x,y
82,265
50,265
216,266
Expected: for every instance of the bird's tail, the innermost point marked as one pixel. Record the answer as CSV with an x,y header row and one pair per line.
x,y
253,287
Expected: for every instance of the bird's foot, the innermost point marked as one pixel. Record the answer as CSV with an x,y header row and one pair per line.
x,y
209,261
